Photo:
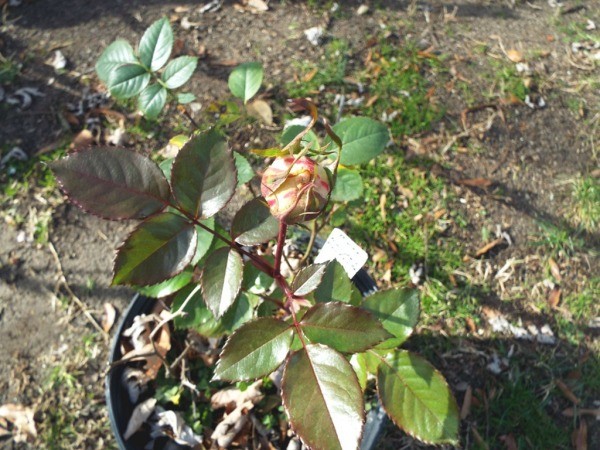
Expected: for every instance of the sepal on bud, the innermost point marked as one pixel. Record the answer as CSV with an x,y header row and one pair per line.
x,y
296,189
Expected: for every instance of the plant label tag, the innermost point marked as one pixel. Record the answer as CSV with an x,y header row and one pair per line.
x,y
340,247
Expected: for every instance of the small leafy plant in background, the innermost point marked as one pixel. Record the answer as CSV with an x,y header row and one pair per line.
x,y
310,323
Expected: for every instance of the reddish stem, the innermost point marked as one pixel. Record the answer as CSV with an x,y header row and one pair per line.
x,y
280,244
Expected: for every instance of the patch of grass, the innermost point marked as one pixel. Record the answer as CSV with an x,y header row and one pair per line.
x,y
586,193
518,407
397,75
71,411
507,80
404,220
328,72
9,70
558,239
584,305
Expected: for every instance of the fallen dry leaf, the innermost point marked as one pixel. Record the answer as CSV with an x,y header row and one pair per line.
x,y
139,415
580,436
83,139
555,269
486,248
554,297
566,391
226,397
514,55
310,75
572,412
465,410
471,325
261,110
108,317
475,182
21,418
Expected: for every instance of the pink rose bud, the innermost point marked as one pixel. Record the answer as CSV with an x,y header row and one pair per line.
x,y
295,191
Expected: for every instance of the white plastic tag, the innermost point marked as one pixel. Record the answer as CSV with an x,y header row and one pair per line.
x,y
340,247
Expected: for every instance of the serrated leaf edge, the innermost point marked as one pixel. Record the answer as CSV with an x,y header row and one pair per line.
x,y
345,305
114,261
290,327
80,206
285,406
415,436
229,249
174,171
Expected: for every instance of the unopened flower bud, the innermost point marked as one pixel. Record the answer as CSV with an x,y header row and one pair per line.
x,y
295,190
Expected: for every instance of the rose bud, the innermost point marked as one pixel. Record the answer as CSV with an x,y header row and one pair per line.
x,y
295,191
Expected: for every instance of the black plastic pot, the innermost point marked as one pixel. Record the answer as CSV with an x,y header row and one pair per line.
x,y
120,407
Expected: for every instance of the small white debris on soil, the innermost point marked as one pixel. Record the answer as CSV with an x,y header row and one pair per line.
x,y
416,273
334,7
59,61
590,25
362,10
544,335
594,323
213,6
497,365
315,35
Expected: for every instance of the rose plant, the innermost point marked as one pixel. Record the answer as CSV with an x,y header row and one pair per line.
x,y
312,323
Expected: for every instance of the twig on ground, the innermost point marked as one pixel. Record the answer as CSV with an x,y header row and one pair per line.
x,y
62,280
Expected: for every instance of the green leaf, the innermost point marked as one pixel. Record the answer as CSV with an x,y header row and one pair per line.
x,y
240,313
245,80
255,280
113,183
166,167
167,287
335,285
348,186
245,172
269,152
128,80
310,139
205,240
323,399
158,249
115,55
183,98
204,176
253,224
152,100
345,328
417,398
308,279
255,350
156,44
179,71
221,280
357,363
198,317
362,139
398,312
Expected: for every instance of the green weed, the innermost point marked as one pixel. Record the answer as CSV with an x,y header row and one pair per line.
x,y
9,70
397,75
586,193
404,215
328,72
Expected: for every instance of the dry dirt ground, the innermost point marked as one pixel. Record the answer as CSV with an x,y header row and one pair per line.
x,y
51,352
